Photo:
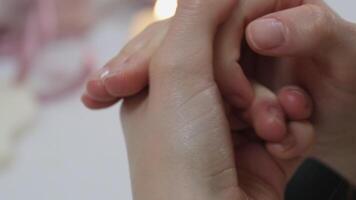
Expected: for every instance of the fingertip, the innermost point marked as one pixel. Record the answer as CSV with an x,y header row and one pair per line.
x,y
296,103
300,139
269,123
129,80
267,115
95,88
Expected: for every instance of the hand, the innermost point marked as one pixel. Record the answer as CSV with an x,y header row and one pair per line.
x,y
178,137
315,48
127,74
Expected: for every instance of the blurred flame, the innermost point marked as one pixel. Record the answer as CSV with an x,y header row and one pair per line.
x,y
165,9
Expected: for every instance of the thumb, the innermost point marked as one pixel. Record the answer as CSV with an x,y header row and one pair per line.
x,y
184,62
308,30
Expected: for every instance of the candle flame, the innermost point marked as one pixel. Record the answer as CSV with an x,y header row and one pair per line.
x,y
165,9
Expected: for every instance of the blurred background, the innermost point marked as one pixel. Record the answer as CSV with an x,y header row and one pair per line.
x,y
51,146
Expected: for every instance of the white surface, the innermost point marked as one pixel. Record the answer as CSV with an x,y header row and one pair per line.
x,y
22,105
72,153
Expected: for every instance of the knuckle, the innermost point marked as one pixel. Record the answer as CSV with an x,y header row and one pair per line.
x,y
176,68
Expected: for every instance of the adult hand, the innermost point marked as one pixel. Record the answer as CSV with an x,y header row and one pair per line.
x,y
313,47
178,138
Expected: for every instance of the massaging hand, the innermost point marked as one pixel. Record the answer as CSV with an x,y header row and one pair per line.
x,y
312,46
178,136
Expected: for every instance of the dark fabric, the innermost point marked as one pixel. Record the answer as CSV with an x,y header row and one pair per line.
x,y
314,181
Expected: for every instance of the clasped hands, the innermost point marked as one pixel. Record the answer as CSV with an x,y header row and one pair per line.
x,y
237,93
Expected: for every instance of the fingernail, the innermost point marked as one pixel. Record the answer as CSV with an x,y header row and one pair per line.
x,y
297,92
107,72
104,73
112,69
97,74
267,33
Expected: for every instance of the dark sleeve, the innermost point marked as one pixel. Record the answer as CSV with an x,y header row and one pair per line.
x,y
314,181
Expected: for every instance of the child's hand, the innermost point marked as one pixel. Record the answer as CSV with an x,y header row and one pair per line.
x,y
271,116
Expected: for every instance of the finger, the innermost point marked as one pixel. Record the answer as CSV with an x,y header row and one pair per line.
x,y
234,85
229,74
191,34
95,105
300,139
127,73
267,115
296,103
307,30
95,89
127,77
290,153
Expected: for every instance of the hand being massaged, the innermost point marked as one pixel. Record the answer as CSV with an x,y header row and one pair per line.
x,y
178,132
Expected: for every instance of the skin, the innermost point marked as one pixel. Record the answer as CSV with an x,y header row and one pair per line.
x,y
317,53
179,145
127,74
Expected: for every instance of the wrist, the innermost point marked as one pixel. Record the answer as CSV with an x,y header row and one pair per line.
x,y
162,183
158,173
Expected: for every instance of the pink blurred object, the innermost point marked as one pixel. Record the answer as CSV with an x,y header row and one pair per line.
x,y
46,21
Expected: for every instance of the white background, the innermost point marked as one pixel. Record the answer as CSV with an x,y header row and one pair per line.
x,y
72,153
